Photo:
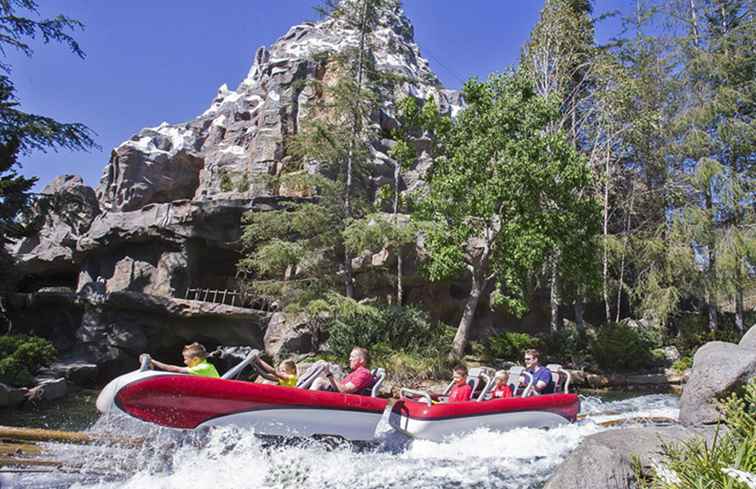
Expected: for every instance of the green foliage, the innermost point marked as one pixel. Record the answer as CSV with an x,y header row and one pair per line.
x,y
509,345
622,347
569,346
683,364
398,328
501,183
693,332
21,356
244,183
698,463
226,183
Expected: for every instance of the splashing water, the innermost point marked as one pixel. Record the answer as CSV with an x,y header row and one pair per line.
x,y
235,458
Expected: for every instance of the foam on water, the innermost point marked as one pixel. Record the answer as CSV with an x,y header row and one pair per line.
x,y
232,458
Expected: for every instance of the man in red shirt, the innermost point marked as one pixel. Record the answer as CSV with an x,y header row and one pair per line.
x,y
358,380
461,391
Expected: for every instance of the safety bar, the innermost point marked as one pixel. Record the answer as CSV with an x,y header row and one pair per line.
x,y
144,362
312,373
380,374
237,369
404,392
487,387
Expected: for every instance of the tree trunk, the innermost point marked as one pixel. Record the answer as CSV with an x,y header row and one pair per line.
x,y
606,237
461,338
712,309
739,322
579,312
398,247
554,293
348,273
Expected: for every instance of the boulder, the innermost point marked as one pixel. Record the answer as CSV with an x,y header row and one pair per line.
x,y
748,341
605,460
75,371
719,369
289,333
49,390
63,213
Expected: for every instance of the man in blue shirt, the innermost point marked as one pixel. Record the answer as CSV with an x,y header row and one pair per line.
x,y
543,383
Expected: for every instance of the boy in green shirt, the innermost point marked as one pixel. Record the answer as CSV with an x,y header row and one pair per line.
x,y
195,359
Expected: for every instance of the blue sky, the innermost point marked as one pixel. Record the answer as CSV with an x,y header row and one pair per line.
x,y
152,61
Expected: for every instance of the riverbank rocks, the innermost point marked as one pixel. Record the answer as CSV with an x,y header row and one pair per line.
x,y
605,460
719,369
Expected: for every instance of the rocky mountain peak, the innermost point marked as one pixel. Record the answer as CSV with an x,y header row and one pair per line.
x,y
230,149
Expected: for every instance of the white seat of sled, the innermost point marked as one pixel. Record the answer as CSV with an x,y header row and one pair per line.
x,y
560,376
514,380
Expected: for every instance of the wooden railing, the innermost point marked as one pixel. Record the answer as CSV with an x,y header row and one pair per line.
x,y
230,297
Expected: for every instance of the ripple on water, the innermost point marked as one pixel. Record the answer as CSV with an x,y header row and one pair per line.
x,y
234,458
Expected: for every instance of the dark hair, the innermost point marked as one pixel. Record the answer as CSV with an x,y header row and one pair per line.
x,y
460,369
533,353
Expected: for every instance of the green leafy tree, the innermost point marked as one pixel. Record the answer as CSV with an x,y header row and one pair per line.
x,y
20,132
504,193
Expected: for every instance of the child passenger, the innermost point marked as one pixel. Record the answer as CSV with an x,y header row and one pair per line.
x,y
501,388
461,390
285,374
195,359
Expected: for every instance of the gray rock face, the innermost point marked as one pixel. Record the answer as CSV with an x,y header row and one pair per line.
x,y
288,333
718,369
49,390
63,214
230,149
604,460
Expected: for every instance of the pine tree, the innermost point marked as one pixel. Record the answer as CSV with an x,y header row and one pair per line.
x,y
22,133
716,138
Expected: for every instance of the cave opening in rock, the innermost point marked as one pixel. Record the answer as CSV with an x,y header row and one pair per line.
x,y
33,282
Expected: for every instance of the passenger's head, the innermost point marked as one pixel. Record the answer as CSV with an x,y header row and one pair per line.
x,y
459,374
194,354
531,358
359,358
501,377
288,366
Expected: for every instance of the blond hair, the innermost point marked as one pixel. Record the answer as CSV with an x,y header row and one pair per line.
x,y
196,350
288,366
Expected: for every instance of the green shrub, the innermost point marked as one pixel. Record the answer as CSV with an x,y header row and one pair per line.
x,y
622,347
21,356
683,364
509,345
570,346
398,337
697,463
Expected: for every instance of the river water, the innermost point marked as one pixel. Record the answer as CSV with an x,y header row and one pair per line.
x,y
232,458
